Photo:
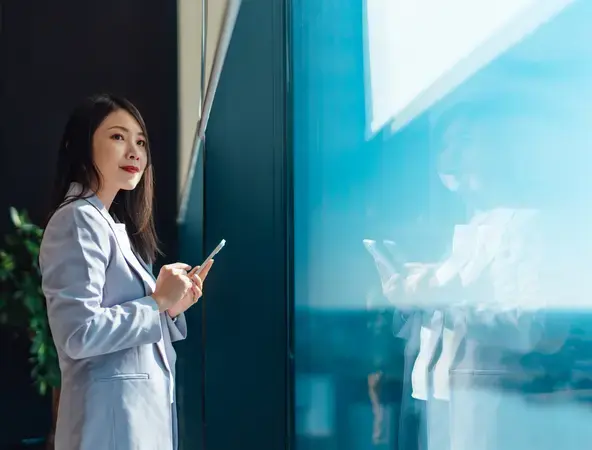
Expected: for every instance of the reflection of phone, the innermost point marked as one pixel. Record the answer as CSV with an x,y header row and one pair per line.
x,y
379,256
395,252
211,255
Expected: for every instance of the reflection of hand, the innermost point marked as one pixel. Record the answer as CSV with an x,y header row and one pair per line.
x,y
418,277
406,288
385,272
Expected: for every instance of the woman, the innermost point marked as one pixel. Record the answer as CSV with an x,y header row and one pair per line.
x,y
113,323
476,312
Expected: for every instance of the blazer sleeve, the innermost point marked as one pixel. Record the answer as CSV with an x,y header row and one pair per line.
x,y
177,327
74,255
513,316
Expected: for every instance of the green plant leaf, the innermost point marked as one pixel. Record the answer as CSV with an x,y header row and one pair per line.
x,y
32,247
34,323
22,305
14,216
7,262
36,343
28,227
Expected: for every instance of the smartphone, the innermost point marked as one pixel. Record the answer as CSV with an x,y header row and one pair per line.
x,y
395,253
219,247
379,256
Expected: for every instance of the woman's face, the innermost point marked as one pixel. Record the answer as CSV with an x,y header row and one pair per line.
x,y
119,151
458,162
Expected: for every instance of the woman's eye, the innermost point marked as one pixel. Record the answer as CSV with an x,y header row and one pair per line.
x,y
117,137
142,143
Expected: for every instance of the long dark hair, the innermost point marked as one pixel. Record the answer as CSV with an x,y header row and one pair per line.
x,y
75,164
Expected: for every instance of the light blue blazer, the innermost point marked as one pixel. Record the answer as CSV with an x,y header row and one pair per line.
x,y
114,346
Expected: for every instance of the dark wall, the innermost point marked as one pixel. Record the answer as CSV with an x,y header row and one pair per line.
x,y
246,190
51,55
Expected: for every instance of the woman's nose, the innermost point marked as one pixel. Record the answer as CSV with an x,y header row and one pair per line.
x,y
133,153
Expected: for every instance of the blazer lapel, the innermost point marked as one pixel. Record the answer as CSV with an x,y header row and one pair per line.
x,y
488,239
124,245
134,262
147,267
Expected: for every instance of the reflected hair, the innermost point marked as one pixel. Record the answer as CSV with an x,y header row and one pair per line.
x,y
75,164
501,138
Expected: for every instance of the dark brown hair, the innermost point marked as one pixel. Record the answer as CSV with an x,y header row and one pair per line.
x,y
75,164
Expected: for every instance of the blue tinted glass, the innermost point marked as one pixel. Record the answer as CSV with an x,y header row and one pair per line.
x,y
443,234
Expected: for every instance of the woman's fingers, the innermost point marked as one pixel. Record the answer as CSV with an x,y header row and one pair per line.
x,y
197,293
206,269
197,281
181,266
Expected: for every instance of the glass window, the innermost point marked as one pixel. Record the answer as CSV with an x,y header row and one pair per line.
x,y
443,233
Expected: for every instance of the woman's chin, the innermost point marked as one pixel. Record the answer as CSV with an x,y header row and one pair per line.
x,y
129,185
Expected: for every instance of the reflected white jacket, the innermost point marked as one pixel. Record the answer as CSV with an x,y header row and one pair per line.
x,y
498,258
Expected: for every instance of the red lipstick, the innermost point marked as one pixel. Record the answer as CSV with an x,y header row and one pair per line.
x,y
131,169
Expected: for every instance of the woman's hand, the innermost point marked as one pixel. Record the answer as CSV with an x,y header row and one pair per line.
x,y
193,295
172,285
409,289
420,287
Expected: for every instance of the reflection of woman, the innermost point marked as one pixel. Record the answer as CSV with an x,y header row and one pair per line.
x,y
503,351
113,323
484,296
502,346
495,266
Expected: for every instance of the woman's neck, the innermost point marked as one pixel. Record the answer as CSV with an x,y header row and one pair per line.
x,y
106,196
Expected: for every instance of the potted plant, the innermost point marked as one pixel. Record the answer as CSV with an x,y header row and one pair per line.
x,y
22,304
